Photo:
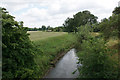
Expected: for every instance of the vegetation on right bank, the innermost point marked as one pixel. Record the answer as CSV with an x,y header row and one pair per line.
x,y
98,58
95,56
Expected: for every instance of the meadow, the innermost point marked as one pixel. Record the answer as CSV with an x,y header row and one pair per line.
x,y
39,35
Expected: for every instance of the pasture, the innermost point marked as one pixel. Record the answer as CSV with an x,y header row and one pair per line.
x,y
39,35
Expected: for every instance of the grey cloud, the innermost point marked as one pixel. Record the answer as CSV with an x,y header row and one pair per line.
x,y
54,12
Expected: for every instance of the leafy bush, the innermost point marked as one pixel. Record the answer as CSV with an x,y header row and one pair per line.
x,y
96,61
17,49
83,34
110,27
94,56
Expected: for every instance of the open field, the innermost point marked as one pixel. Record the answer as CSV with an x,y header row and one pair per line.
x,y
39,35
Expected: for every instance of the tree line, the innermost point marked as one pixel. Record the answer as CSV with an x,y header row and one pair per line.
x,y
70,24
48,29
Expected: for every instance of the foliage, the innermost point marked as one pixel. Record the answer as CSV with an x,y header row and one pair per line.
x,y
17,53
94,56
116,10
44,27
96,27
34,29
59,29
95,60
69,25
79,19
48,29
82,34
109,27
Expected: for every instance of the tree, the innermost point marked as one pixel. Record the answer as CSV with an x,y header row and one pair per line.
x,y
81,18
43,27
17,49
35,29
116,10
110,27
69,25
48,28
40,29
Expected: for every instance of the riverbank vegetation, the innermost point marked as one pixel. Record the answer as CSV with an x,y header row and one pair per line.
x,y
17,49
96,43
99,54
95,56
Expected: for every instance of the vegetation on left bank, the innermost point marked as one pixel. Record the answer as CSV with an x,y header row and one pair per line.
x,y
17,49
23,58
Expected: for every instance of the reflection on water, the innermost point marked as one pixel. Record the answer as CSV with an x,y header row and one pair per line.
x,y
65,66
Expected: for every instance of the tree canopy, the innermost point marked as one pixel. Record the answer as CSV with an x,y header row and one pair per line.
x,y
116,10
17,49
79,19
110,27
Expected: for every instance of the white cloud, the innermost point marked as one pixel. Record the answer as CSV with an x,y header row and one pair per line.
x,y
35,13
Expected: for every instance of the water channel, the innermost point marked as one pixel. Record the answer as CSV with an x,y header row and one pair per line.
x,y
65,66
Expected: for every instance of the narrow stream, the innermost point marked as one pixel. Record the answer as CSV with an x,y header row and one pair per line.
x,y
65,66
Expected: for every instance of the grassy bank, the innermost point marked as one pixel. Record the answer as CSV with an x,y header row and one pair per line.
x,y
48,49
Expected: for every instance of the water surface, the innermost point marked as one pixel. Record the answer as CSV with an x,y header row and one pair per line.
x,y
65,66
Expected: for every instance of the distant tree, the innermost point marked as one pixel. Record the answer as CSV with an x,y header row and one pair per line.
x,y
58,29
35,29
51,28
43,27
48,28
81,18
40,29
69,25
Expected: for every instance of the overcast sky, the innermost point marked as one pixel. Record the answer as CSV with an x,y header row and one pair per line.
x,y
35,13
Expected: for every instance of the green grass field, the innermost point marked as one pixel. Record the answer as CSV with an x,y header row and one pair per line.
x,y
39,35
